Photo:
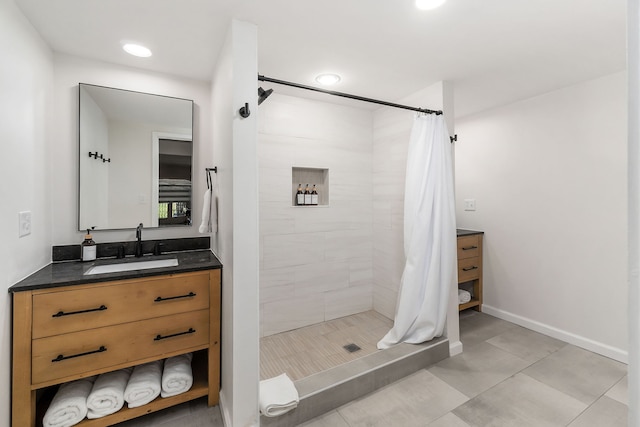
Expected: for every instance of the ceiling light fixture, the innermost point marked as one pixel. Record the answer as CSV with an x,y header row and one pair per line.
x,y
136,50
429,4
328,79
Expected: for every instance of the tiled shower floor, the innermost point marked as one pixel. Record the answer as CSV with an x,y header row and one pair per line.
x,y
312,349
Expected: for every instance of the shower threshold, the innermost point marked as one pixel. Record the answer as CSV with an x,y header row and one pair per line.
x,y
327,375
330,389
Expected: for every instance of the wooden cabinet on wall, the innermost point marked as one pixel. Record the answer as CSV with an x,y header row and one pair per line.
x,y
65,333
470,267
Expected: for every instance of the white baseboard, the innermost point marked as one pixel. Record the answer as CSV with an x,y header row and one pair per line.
x,y
226,417
455,348
577,340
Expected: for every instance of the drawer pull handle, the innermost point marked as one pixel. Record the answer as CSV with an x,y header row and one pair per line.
x,y
62,313
190,294
470,268
468,248
61,357
160,337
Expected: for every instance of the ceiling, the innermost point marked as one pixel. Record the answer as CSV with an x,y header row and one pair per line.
x,y
493,51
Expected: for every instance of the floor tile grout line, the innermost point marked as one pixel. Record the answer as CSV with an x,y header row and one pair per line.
x,y
343,418
519,372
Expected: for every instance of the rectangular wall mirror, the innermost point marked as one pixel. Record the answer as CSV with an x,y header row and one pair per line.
x,y
136,152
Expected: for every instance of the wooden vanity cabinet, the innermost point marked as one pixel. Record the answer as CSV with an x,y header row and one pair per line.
x,y
470,268
65,333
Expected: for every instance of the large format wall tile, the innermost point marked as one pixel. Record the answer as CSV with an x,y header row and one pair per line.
x,y
293,249
343,302
321,254
292,313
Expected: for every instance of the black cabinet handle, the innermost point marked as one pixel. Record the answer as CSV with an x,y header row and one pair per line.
x,y
62,313
160,337
468,248
61,357
190,294
469,268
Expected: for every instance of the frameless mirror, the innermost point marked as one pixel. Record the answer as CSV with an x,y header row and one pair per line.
x,y
136,154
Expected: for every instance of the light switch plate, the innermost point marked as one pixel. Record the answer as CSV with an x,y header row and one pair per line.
x,y
24,223
469,204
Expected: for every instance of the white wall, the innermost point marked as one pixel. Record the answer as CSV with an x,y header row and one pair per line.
x,y
236,243
94,202
392,129
549,178
26,85
315,262
633,82
132,181
69,71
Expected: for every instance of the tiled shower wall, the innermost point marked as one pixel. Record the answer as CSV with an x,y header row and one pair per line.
x,y
392,128
316,263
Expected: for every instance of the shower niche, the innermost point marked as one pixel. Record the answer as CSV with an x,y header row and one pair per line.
x,y
312,176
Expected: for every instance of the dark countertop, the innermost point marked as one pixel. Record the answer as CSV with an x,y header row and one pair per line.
x,y
463,232
72,272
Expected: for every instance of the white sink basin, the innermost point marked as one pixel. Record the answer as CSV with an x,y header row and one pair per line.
x,y
128,266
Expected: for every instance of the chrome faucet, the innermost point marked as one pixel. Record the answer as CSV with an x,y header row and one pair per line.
x,y
139,242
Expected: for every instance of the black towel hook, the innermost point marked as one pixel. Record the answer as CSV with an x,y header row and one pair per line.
x,y
244,111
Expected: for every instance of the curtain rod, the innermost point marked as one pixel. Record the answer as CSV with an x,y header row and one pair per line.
x,y
346,95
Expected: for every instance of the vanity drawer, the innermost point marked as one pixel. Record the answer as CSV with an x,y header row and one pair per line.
x,y
468,269
78,308
102,348
468,246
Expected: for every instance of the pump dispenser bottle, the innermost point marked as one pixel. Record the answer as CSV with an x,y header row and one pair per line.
x,y
88,248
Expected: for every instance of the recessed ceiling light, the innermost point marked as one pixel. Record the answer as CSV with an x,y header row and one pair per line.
x,y
429,4
328,79
137,50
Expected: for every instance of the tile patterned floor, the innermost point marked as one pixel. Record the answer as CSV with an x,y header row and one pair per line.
x,y
306,351
507,376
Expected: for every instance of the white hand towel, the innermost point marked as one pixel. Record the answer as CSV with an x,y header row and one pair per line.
x,y
69,405
144,384
278,395
206,215
107,394
463,296
177,376
214,205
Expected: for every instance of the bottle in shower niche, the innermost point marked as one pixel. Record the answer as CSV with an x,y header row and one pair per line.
x,y
307,195
314,196
299,196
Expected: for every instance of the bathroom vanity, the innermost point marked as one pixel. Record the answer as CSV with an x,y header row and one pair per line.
x,y
68,324
470,266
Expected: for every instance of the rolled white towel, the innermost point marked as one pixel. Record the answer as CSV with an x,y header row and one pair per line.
x,y
107,394
463,296
144,384
278,395
69,405
177,376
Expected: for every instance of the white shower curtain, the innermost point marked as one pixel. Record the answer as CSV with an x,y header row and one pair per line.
x,y
429,236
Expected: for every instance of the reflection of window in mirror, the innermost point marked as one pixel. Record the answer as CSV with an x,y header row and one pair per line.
x,y
174,173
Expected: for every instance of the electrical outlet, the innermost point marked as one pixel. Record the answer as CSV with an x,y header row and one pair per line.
x,y
24,223
469,204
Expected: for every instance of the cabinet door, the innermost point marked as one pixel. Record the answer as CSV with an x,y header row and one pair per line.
x,y
82,353
468,269
70,309
468,246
